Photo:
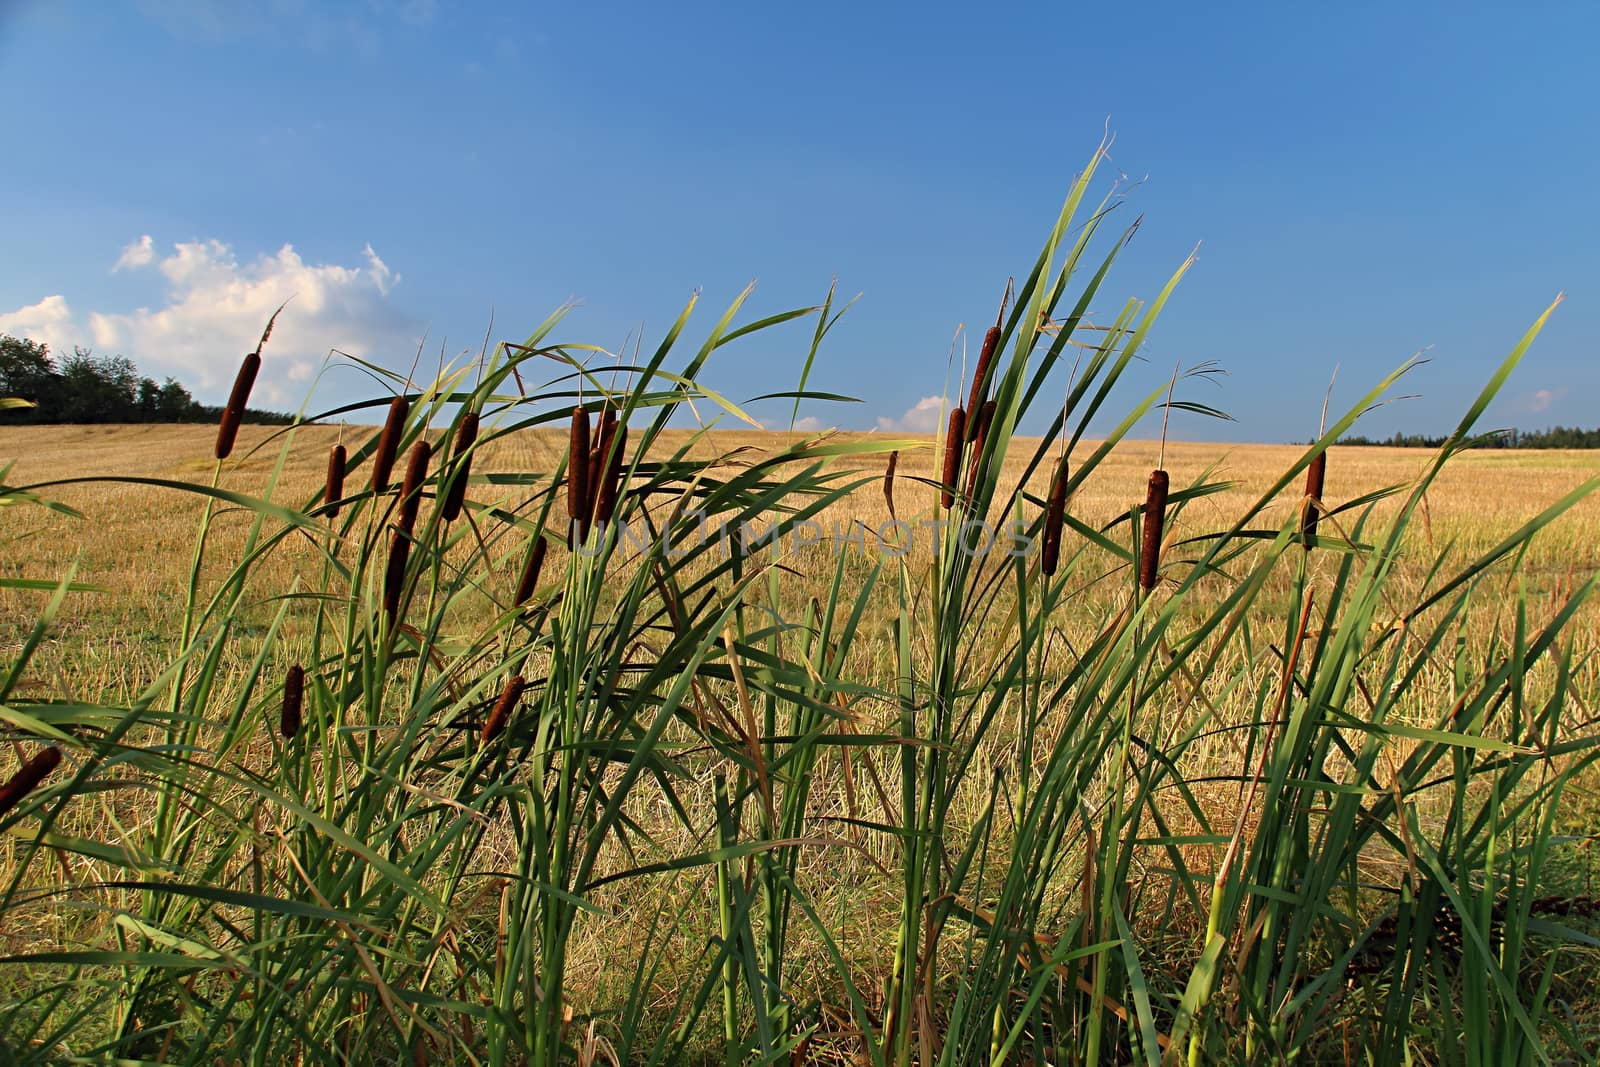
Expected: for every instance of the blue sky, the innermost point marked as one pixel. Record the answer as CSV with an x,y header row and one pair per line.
x,y
1364,181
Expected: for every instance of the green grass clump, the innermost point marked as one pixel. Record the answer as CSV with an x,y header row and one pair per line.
x,y
524,768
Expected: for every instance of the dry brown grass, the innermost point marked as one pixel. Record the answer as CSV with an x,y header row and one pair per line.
x,y
135,541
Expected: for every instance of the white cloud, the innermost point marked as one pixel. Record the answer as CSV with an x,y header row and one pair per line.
x,y
48,322
921,417
382,276
1539,401
215,308
1542,399
808,424
138,254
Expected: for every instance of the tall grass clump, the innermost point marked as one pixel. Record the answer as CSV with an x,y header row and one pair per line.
x,y
608,757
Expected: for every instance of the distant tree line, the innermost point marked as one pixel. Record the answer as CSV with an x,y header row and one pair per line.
x,y
90,388
1553,437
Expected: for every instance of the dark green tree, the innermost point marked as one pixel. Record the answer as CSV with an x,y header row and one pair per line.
x,y
174,404
96,389
28,373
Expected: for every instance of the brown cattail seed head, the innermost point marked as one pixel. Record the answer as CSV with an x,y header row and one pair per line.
x,y
611,484
596,469
597,451
233,413
389,443
294,692
411,488
28,777
888,480
980,435
991,341
530,571
1055,514
394,576
456,492
503,707
333,492
952,455
1315,476
578,472
1155,517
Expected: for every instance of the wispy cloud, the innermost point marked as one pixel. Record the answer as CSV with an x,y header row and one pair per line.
x,y
140,253
921,417
1542,400
215,306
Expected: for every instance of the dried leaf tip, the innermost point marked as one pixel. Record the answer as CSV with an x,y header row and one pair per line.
x,y
1155,518
266,334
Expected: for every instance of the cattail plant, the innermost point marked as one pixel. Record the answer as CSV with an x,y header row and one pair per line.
x,y
503,707
888,481
980,435
952,455
28,777
394,576
294,692
530,571
233,413
411,488
389,443
612,449
1155,517
1310,510
578,473
599,461
980,376
1055,514
1006,755
456,493
333,491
